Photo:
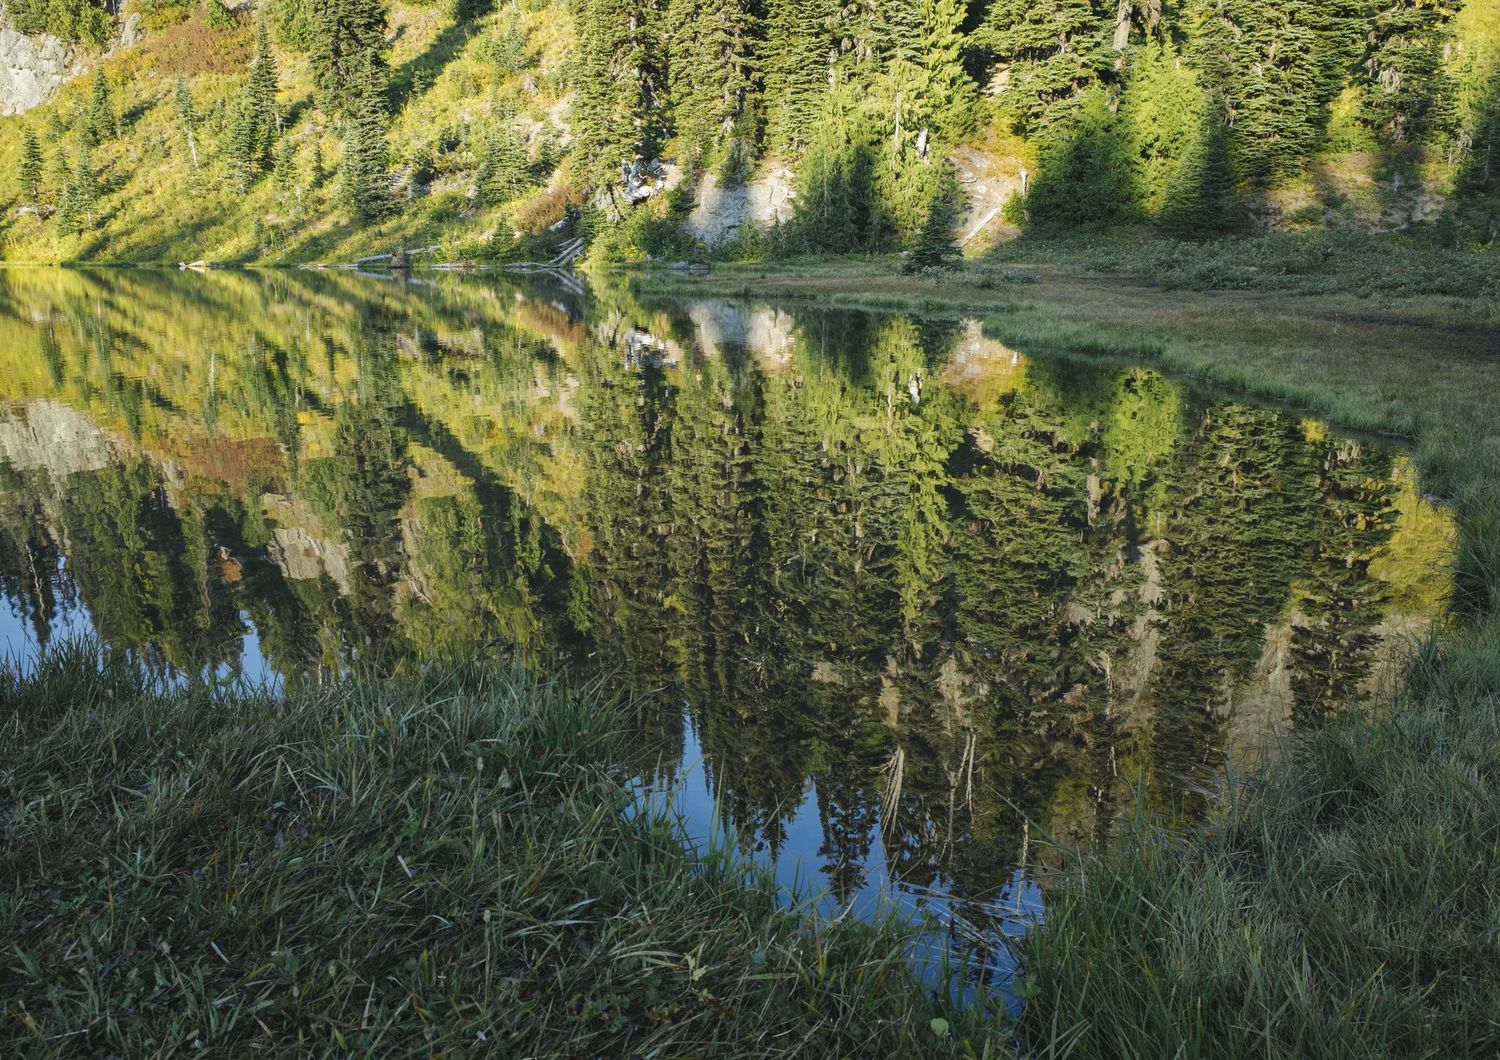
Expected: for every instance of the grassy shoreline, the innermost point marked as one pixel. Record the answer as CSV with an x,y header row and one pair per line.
x,y
440,863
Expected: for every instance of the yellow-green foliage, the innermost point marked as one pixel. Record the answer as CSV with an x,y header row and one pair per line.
x,y
156,206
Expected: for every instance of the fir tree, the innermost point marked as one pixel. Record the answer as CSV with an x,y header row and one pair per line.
x,y
364,171
75,213
934,247
1052,52
796,69
242,143
99,119
348,36
261,90
712,71
29,169
1200,193
1162,111
502,166
1409,94
619,89
187,117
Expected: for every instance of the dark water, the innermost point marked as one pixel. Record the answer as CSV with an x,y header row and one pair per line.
x,y
903,601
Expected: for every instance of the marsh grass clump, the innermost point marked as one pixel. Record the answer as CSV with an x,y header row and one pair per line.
x,y
436,864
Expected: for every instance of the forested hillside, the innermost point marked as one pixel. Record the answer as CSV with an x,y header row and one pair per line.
x,y
326,129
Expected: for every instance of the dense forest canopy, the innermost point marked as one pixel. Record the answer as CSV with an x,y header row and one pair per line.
x,y
538,114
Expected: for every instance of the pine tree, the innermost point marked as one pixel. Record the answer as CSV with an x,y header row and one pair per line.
x,y
1200,194
348,36
1162,111
1087,177
29,169
364,171
934,247
99,119
187,117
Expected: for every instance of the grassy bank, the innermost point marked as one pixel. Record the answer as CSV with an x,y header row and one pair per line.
x,y
1347,900
439,864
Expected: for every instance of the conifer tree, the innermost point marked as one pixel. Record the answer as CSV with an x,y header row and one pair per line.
x,y
1053,51
796,69
348,35
1409,95
712,71
1162,111
99,119
934,247
29,169
502,165
619,89
261,88
1200,192
242,143
364,171
187,117
75,213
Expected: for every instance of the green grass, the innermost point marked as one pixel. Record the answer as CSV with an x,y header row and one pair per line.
x,y
442,863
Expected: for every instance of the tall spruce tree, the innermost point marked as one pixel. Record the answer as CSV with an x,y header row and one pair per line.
x,y
348,36
75,212
261,89
187,116
619,86
99,118
1409,94
502,164
29,169
795,69
364,172
934,247
712,72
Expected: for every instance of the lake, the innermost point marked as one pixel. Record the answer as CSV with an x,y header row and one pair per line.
x,y
900,604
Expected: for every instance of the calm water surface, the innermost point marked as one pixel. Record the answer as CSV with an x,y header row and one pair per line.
x,y
901,600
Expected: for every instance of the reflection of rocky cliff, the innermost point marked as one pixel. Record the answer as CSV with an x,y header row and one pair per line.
x,y
56,438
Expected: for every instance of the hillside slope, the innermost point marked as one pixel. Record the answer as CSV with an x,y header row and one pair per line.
x,y
504,130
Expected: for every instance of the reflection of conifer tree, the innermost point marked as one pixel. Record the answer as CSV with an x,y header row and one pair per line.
x,y
1334,639
1240,525
29,557
368,482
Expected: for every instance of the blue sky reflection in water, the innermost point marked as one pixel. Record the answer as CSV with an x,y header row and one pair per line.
x,y
897,599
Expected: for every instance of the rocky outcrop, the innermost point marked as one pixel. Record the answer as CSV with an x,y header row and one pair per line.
x,y
33,68
722,211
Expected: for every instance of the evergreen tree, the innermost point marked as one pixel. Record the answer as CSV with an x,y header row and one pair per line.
x,y
796,69
242,143
261,90
713,72
837,207
29,169
99,119
1200,194
75,213
619,88
1162,112
934,248
1087,177
1409,94
187,117
1271,71
348,35
1050,53
502,165
364,171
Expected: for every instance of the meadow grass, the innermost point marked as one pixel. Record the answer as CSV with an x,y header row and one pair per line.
x,y
444,863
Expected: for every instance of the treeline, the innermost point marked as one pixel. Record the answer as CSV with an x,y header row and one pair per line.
x,y
1126,111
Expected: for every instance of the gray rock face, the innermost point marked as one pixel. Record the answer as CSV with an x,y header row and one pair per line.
x,y
720,212
33,68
